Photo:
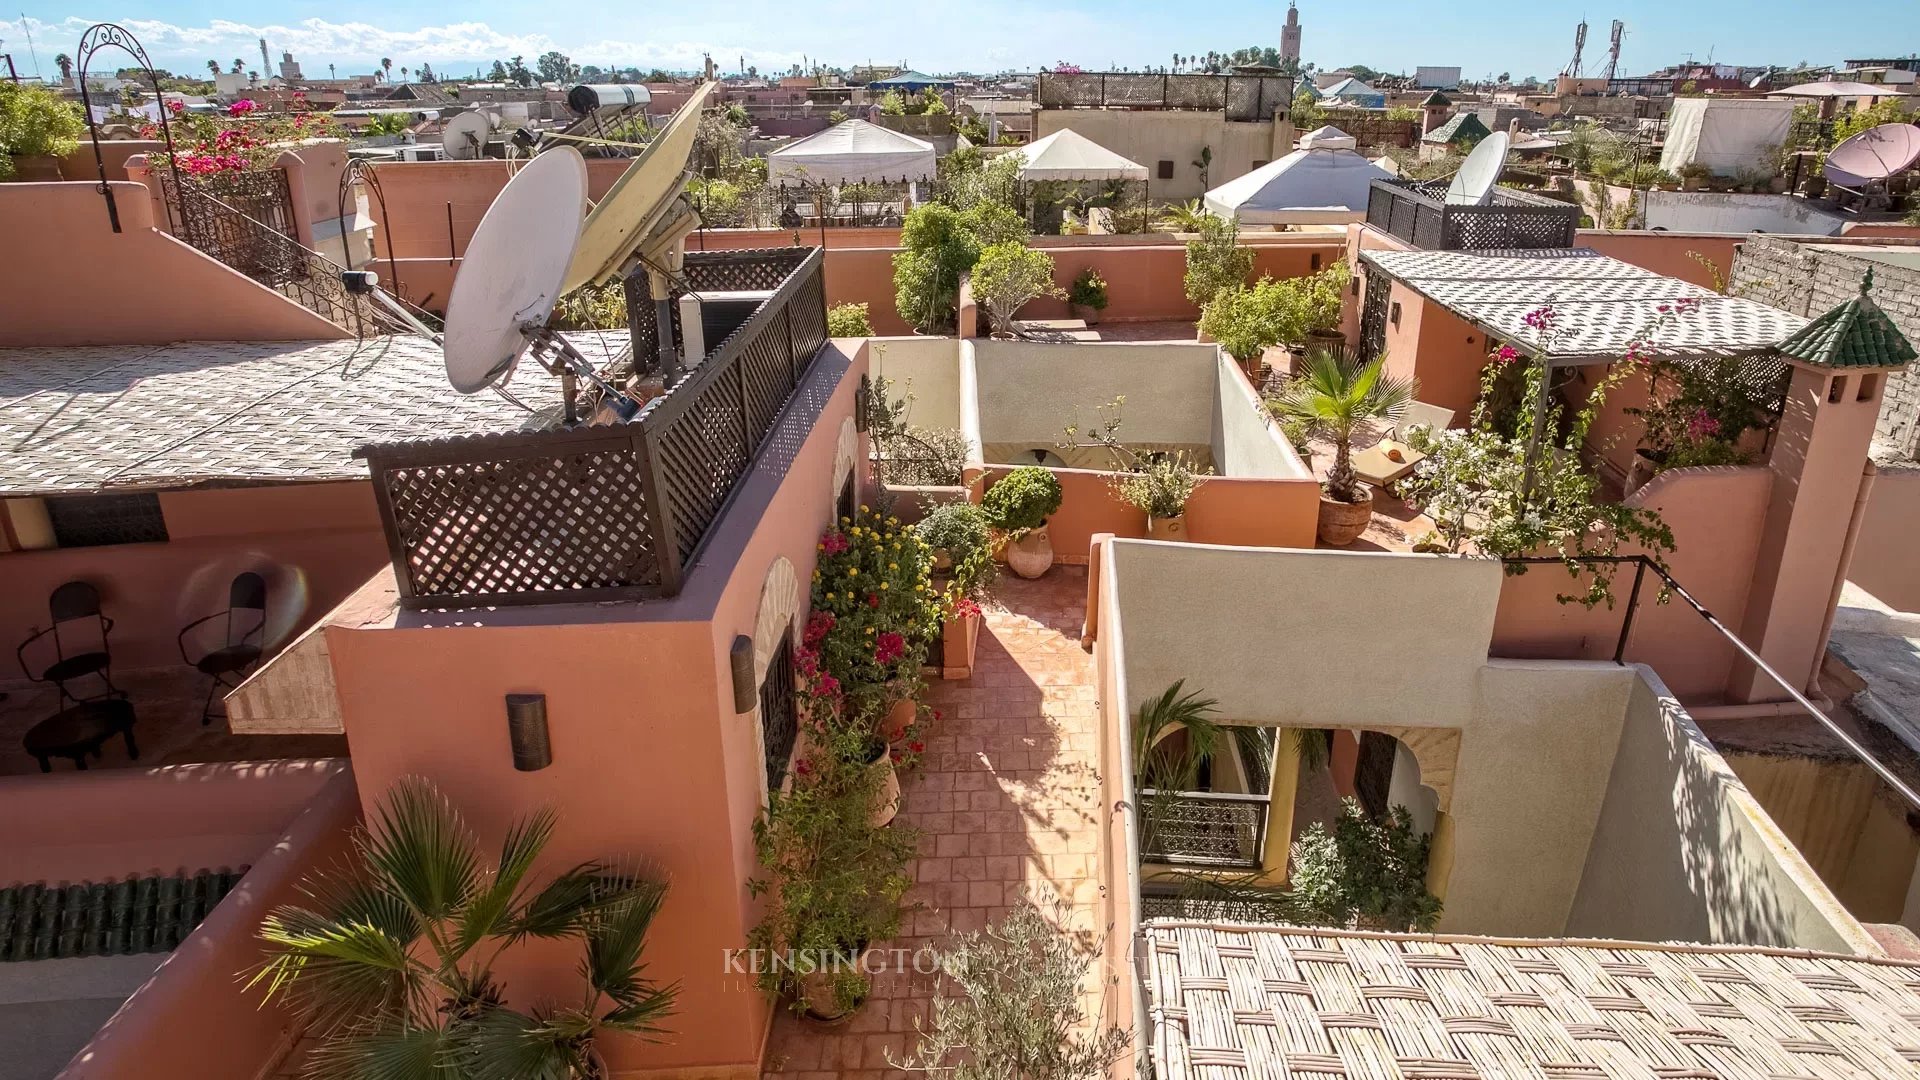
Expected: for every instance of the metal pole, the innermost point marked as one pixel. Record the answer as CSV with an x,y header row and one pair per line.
x,y
1633,605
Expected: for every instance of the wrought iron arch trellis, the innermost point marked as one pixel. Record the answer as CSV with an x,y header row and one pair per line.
x,y
110,35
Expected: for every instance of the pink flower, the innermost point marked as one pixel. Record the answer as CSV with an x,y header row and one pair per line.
x,y
241,107
1702,425
834,543
802,768
1686,304
828,686
819,625
1541,318
888,647
965,609
176,106
1506,354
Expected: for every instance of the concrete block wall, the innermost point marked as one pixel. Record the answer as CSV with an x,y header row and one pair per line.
x,y
1809,281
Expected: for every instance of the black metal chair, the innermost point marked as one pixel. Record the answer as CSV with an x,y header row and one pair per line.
x,y
77,653
228,661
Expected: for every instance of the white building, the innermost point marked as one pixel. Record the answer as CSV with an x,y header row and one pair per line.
x,y
1429,77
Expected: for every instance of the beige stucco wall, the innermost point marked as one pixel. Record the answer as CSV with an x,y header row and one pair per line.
x,y
1683,852
1883,562
1149,138
1246,441
928,368
1378,641
1029,392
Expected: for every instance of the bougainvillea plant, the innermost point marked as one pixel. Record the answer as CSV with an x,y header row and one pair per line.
x,y
248,139
873,587
1509,496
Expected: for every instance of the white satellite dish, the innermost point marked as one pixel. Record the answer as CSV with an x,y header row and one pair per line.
x,y
465,136
511,274
1473,184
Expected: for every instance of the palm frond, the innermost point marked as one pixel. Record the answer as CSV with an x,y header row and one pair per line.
x,y
490,912
422,851
338,973
1314,747
563,906
501,1044
405,1053
616,934
1174,709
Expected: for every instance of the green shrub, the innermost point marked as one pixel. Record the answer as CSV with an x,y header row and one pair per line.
x,y
849,320
1010,275
36,122
1023,500
1089,289
1215,260
1372,873
1240,321
964,533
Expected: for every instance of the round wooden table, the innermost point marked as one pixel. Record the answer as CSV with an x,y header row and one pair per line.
x,y
79,730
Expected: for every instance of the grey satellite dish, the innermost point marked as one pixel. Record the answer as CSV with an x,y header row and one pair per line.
x,y
1473,184
510,278
465,136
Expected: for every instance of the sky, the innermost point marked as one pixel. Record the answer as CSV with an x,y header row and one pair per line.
x,y
1389,35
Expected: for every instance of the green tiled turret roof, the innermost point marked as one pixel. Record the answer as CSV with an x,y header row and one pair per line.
x,y
1854,335
1437,98
1464,125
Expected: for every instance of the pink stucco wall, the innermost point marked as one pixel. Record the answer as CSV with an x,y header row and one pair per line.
x,y
650,762
194,1018
314,543
420,195
1715,515
1883,557
67,262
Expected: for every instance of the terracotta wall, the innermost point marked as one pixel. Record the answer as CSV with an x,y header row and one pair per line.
x,y
80,164
1223,510
160,290
1716,516
194,1018
1667,252
314,543
109,824
1883,555
650,761
420,195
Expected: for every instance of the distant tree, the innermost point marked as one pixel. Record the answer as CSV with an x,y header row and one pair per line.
x,y
386,68
239,65
657,75
65,64
555,67
330,73
1363,72
589,73
213,67
425,73
1506,77
517,71
403,74
499,72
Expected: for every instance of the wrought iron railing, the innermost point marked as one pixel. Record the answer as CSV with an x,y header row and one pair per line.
x,y
1203,828
1420,215
604,513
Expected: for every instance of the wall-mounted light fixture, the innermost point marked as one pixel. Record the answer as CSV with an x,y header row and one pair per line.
x,y
862,401
527,728
740,659
1393,313
1316,262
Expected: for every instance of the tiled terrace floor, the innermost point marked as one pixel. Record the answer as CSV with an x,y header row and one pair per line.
x,y
1006,794
167,730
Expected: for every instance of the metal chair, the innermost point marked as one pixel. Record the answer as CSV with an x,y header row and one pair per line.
x,y
72,607
227,662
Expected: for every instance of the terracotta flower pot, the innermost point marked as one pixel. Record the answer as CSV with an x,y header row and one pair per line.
x,y
1086,314
1341,523
959,641
886,802
36,168
1167,528
1032,554
818,1005
898,719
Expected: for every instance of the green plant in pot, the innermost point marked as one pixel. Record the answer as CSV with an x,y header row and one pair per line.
x,y
1365,873
1215,259
37,128
1019,506
1156,482
1087,296
874,615
936,247
389,959
832,880
849,320
1335,397
961,538
1240,321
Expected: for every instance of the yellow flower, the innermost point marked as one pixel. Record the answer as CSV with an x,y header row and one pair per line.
x,y
846,521
893,521
820,547
922,587
883,586
829,596
863,508
853,571
869,629
893,566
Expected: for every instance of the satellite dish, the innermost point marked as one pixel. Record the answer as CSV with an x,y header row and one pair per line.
x,y
1873,155
465,136
1473,184
511,275
629,217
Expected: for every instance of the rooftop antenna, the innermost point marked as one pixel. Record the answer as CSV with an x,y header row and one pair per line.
x,y
31,51
1473,185
1613,50
1579,45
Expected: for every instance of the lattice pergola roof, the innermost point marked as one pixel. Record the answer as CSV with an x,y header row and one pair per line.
x,y
1602,306
118,418
1271,1002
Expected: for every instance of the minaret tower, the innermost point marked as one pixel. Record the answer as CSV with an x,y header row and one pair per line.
x,y
1290,36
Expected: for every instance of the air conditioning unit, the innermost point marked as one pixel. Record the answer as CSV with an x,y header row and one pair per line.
x,y
707,318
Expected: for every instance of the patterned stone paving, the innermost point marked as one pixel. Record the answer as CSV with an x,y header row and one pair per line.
x,y
1006,795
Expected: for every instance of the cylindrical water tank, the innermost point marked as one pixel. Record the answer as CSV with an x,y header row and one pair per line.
x,y
587,99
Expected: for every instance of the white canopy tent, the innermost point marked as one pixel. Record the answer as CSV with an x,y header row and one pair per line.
x,y
852,152
1068,155
1323,182
1727,135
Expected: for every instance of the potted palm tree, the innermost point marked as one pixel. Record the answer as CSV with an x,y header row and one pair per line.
x,y
1334,398
390,964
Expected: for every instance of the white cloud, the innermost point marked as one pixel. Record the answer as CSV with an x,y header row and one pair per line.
x,y
317,41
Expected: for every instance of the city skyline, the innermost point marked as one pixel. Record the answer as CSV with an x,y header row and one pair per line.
x,y
182,35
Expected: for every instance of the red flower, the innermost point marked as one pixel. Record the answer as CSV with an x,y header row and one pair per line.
x,y
802,768
834,543
819,625
1541,318
936,714
176,106
1506,354
965,609
916,746
873,600
888,647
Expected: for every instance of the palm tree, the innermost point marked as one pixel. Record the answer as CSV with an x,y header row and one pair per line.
x,y
65,64
213,67
239,65
1203,163
1155,766
1184,217
391,966
1334,398
386,69
330,74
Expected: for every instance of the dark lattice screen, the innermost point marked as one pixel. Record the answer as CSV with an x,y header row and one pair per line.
x,y
99,520
779,719
1418,214
1373,314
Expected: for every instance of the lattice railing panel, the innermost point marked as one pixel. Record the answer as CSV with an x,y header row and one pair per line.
x,y
779,715
767,366
1418,214
537,519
